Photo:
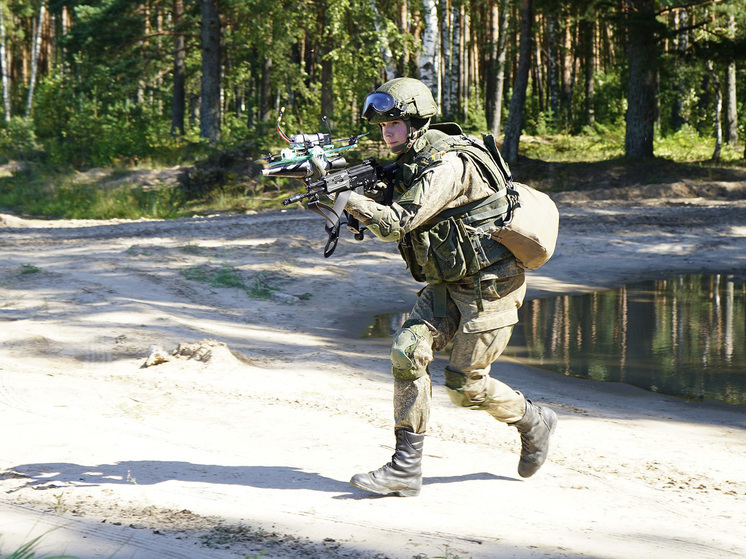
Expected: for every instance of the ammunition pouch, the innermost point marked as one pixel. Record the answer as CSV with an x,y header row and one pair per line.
x,y
456,244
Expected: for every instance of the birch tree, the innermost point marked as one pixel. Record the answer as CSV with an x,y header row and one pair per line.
x,y
428,63
730,102
35,60
4,73
387,56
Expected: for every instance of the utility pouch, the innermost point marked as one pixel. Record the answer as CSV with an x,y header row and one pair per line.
x,y
406,249
450,255
531,228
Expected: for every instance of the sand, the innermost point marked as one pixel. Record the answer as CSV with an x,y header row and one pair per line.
x,y
199,388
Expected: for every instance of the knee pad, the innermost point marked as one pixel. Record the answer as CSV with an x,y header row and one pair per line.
x,y
461,394
411,351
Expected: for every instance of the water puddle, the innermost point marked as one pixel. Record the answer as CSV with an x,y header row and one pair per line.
x,y
684,336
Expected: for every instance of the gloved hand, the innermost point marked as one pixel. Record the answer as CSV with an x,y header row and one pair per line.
x,y
377,192
318,168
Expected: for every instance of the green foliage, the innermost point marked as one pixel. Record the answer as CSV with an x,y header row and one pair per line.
x,y
228,277
17,140
223,276
594,144
602,143
610,98
104,94
33,193
84,131
29,269
688,145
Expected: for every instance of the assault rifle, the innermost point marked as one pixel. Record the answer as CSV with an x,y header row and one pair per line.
x,y
360,178
312,156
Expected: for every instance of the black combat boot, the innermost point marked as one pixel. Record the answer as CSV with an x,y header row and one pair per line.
x,y
535,428
403,475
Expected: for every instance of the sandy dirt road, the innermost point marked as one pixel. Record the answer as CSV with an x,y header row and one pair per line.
x,y
243,443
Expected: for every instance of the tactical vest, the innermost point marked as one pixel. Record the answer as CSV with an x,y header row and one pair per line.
x,y
455,243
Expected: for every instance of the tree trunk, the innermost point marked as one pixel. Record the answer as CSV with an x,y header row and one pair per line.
x,y
265,93
386,54
4,71
682,43
538,79
569,70
35,61
428,63
718,113
455,77
730,115
446,41
642,55
179,95
490,78
730,107
588,33
502,51
553,68
495,77
404,28
327,87
209,115
518,99
463,63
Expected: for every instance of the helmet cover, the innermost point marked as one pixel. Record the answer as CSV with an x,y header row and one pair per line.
x,y
400,98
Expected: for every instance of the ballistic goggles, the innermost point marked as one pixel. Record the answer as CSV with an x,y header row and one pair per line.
x,y
383,104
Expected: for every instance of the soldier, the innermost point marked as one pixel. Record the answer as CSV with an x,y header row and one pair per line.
x,y
447,187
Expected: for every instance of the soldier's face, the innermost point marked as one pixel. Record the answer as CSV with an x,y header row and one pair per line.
x,y
394,133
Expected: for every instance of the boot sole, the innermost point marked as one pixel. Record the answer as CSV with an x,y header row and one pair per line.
x,y
388,492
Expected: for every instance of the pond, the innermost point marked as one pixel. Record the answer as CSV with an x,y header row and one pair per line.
x,y
683,336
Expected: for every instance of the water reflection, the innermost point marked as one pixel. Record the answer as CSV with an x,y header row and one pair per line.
x,y
384,325
684,336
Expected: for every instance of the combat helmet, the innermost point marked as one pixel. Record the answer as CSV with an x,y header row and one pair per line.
x,y
399,98
407,99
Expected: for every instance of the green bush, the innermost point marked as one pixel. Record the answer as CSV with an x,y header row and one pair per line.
x,y
18,140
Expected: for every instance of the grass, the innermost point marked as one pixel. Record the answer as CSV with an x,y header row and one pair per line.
x,y
29,269
596,160
223,276
550,162
228,277
57,195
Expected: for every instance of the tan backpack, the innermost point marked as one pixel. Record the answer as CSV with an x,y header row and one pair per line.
x,y
531,227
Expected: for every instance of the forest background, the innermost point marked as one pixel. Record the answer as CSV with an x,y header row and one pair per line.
x,y
576,91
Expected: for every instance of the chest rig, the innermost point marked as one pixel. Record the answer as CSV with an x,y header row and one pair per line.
x,y
453,244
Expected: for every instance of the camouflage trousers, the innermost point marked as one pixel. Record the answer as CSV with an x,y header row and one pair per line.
x,y
478,338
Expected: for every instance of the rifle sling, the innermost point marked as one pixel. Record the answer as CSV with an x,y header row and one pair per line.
x,y
332,225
